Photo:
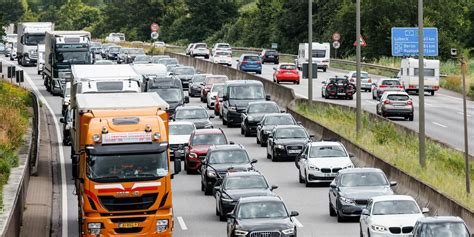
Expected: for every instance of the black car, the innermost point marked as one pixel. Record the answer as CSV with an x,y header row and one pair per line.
x,y
254,114
254,216
440,226
219,160
270,121
338,88
237,185
270,55
185,74
286,141
196,84
196,114
112,52
352,188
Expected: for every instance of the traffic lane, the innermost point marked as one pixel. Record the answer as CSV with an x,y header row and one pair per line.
x,y
55,103
311,203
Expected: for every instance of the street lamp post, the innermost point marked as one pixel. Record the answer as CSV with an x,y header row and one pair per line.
x,y
310,51
466,136
421,86
358,82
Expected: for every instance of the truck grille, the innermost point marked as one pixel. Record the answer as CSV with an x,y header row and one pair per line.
x,y
265,234
128,204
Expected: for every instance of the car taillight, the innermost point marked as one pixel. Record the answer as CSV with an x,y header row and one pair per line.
x,y
409,102
387,102
370,80
329,87
243,62
382,86
401,87
258,62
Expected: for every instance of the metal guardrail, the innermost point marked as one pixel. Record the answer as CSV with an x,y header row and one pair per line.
x,y
36,136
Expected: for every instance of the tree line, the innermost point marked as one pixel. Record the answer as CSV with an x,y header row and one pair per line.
x,y
253,23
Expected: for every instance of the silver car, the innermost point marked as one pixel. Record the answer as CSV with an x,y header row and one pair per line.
x,y
385,84
395,104
365,82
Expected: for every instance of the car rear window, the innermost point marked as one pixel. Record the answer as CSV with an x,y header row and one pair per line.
x,y
398,97
200,46
271,52
288,67
391,83
251,58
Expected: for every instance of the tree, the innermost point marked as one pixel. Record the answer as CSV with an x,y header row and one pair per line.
x,y
74,15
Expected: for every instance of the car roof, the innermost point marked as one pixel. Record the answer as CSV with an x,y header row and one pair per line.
x,y
440,219
292,64
244,173
395,93
260,199
352,72
277,115
392,198
181,123
190,107
288,126
360,170
208,131
179,67
240,82
263,102
249,54
325,143
227,147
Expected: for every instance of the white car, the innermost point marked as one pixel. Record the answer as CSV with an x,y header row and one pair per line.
x,y
390,215
179,134
188,49
216,89
222,57
365,80
221,47
200,49
320,162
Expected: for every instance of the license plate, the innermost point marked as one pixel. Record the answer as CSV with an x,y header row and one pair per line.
x,y
329,175
288,72
342,93
128,225
271,56
294,151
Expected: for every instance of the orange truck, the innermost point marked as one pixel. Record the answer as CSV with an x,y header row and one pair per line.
x,y
121,164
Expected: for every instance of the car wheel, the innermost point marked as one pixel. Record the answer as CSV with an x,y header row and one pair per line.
x,y
259,72
300,179
258,141
217,212
241,131
188,171
410,118
306,182
278,82
373,96
224,122
298,82
207,190
263,144
432,93
350,98
369,90
274,157
360,230
326,96
222,217
246,133
340,218
269,156
325,69
332,212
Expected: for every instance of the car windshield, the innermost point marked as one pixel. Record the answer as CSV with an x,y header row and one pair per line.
x,y
319,53
398,97
214,79
181,129
223,54
327,151
136,51
184,71
263,108
288,67
446,229
191,114
34,39
363,179
245,182
256,210
143,58
229,157
279,120
124,51
169,94
74,57
209,139
395,207
362,75
223,46
199,78
246,92
251,58
114,49
217,88
271,52
127,167
338,80
291,133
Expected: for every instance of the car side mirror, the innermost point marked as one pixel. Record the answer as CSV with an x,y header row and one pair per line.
x,y
237,60
332,185
225,98
273,187
231,142
365,212
268,97
303,156
270,135
294,213
186,99
425,210
171,74
282,111
253,161
299,123
323,82
351,155
62,120
217,188
212,116
311,136
275,68
230,215
393,183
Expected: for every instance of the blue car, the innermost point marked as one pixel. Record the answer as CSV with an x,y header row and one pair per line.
x,y
250,63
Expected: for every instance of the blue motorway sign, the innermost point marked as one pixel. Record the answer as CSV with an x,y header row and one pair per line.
x,y
405,41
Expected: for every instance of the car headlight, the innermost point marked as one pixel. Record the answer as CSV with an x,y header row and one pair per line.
x,y
240,233
232,108
349,166
211,173
94,228
312,167
346,200
378,228
226,198
161,225
193,155
281,147
288,231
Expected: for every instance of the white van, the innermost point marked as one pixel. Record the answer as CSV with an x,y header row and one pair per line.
x,y
320,55
409,75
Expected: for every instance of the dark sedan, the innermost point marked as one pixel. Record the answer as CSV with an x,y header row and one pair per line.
x,y
286,141
237,185
113,52
196,84
219,160
196,114
185,74
254,114
254,216
270,121
352,188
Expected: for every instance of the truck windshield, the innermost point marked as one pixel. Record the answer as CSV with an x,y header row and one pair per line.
x,y
169,94
34,39
75,57
127,167
246,92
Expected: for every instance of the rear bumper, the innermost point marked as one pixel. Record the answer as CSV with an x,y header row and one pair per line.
x,y
397,112
288,77
251,69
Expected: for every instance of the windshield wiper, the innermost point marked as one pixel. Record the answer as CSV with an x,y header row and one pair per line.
x,y
109,177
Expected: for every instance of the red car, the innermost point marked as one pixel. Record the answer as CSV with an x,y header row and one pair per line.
x,y
286,72
199,143
210,80
217,106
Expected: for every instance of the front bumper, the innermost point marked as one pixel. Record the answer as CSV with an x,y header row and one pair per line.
x,y
387,234
320,177
285,153
194,90
366,86
234,117
193,164
347,210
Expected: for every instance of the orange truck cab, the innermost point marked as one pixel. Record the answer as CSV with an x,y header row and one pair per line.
x,y
121,165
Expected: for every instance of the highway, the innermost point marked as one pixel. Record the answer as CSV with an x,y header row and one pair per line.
x,y
194,212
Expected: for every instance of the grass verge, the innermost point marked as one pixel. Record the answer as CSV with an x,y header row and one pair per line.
x,y
14,103
444,167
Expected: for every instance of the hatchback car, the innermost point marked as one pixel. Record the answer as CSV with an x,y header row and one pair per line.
x,y
393,215
188,49
200,49
179,134
196,114
155,58
221,47
270,121
286,72
385,84
253,216
254,114
185,74
337,88
222,57
270,55
321,161
365,80
219,160
249,63
198,144
286,142
395,104
142,59
351,190
236,185
441,226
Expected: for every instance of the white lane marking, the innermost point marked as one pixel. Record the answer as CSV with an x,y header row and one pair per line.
x,y
441,125
181,223
297,222
461,113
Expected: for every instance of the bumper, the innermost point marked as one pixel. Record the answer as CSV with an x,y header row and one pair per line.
x,y
211,103
274,59
367,85
397,112
385,234
251,128
234,117
185,83
251,69
320,177
351,210
286,154
340,94
194,90
288,77
193,164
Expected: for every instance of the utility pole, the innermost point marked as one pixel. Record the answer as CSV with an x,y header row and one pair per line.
x,y
310,51
466,134
421,86
358,82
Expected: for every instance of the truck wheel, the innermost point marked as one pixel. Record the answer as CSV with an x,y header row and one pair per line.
x,y
410,118
432,93
325,69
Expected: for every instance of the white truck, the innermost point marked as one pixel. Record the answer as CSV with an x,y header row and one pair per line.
x,y
115,37
30,34
320,55
41,52
63,49
409,72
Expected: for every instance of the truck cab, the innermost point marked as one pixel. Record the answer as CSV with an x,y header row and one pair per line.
x,y
409,72
30,34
